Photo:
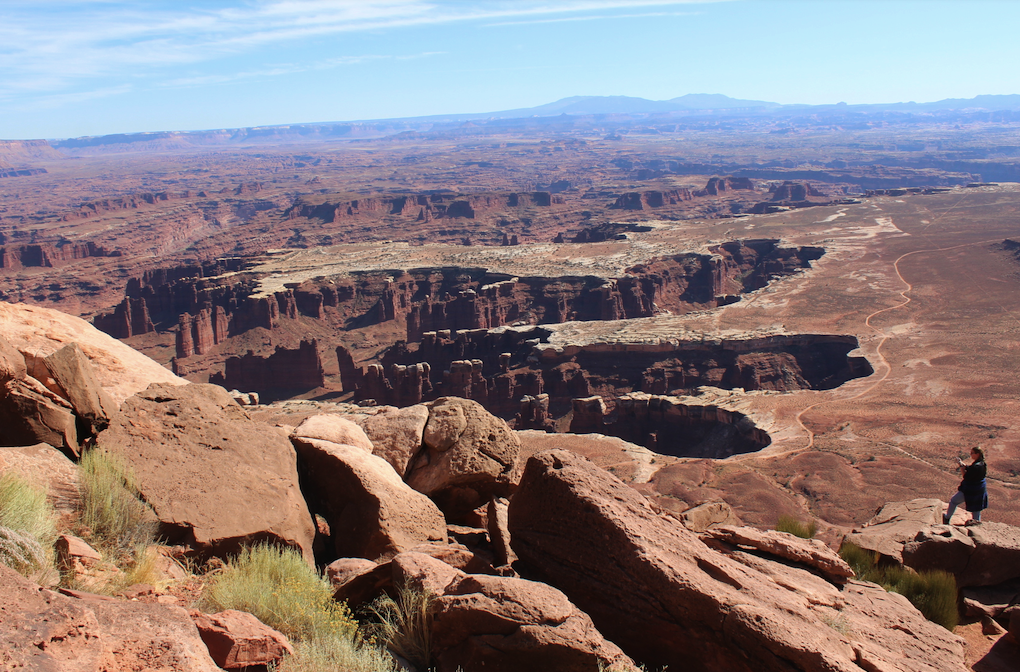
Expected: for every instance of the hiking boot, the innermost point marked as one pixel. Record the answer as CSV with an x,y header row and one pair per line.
x,y
945,520
972,522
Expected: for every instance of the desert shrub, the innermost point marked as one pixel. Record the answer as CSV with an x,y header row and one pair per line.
x,y
112,516
324,654
933,593
27,526
404,624
864,563
282,591
796,528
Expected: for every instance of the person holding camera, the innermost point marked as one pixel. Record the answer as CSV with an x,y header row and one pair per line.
x,y
973,491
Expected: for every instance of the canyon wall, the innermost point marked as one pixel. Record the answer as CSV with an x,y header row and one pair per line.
x,y
500,367
14,257
286,369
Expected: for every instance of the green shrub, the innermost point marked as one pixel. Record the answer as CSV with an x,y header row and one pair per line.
x,y
282,591
933,593
27,526
796,528
113,518
404,625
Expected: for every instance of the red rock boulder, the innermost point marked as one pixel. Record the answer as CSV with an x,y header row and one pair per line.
x,y
43,630
371,512
237,640
666,598
215,479
468,456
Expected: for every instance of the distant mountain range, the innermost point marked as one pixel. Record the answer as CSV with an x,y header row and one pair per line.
x,y
607,111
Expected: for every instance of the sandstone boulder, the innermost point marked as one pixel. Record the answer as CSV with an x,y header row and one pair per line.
x,y
121,370
708,515
810,552
424,572
396,433
215,479
12,363
30,414
334,428
895,524
342,570
371,512
652,586
238,640
468,456
73,373
47,468
506,624
358,583
43,630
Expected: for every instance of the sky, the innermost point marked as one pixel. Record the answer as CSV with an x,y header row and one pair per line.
x,y
72,68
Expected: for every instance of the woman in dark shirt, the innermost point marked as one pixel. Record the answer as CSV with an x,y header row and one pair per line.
x,y
973,492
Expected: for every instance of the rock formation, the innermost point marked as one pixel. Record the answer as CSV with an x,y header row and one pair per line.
x,y
44,630
285,369
371,512
652,585
233,482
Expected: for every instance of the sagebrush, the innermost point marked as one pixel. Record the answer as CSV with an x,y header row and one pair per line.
x,y
284,592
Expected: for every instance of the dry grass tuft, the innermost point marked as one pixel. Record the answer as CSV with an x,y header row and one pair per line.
x,y
112,517
27,527
790,524
404,624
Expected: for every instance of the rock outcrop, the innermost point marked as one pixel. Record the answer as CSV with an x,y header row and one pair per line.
x,y
468,456
371,512
43,630
232,482
121,370
285,369
650,584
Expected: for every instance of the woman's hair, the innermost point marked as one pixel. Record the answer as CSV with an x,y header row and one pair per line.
x,y
981,453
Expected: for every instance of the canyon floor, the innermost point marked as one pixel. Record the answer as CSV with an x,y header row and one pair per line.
x,y
924,281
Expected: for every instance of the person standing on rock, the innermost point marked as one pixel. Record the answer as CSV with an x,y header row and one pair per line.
x,y
973,491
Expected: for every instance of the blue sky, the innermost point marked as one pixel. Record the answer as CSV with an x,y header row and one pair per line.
x,y
71,68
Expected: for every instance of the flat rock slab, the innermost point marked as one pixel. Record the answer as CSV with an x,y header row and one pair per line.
x,y
810,552
44,630
896,524
215,479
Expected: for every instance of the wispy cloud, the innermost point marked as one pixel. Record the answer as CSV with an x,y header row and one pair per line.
x,y
57,50
590,17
